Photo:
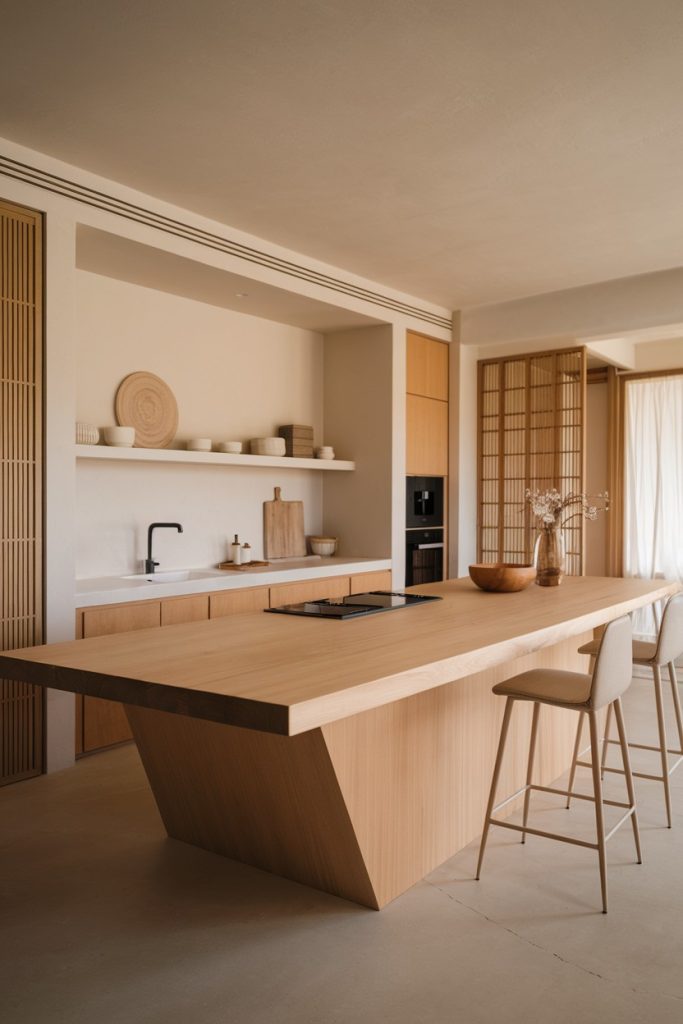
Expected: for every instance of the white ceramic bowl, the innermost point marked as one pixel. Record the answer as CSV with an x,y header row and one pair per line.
x,y
324,546
230,447
119,437
199,444
324,453
268,446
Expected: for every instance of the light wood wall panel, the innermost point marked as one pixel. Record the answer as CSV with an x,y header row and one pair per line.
x,y
532,427
21,447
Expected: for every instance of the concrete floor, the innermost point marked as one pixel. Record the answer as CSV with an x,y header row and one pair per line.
x,y
103,919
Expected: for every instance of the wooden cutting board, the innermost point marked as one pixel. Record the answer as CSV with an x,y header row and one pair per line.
x,y
283,528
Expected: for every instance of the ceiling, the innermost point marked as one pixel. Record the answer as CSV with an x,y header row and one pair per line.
x,y
461,151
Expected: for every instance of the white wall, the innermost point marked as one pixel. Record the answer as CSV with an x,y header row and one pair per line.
x,y
234,377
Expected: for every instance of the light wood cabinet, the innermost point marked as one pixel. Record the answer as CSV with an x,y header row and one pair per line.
x,y
371,581
427,436
232,602
427,367
309,590
176,610
103,722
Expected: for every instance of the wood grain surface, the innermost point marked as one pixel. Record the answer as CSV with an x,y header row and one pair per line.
x,y
288,674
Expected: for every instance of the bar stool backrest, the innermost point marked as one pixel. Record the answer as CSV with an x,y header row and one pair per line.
x,y
670,641
613,663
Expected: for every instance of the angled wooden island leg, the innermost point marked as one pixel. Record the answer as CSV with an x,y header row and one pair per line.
x,y
363,807
270,801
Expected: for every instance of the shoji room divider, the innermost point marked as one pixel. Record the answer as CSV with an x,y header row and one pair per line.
x,y
21,514
532,421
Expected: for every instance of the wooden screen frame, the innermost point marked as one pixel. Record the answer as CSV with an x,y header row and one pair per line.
x,y
557,453
22,361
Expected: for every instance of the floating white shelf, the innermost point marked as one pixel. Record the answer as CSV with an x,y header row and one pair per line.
x,y
85,451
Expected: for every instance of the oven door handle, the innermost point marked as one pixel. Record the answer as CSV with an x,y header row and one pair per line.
x,y
428,547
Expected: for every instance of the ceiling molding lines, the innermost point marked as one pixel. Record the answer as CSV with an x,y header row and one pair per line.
x,y
140,215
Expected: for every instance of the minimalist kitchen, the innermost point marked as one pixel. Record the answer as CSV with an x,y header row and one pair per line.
x,y
341,625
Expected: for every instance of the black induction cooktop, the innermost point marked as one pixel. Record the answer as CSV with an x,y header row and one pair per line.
x,y
354,605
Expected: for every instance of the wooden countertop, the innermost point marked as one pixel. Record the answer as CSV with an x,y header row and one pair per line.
x,y
287,675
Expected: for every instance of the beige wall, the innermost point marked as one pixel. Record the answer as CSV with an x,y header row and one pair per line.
x,y
233,376
359,423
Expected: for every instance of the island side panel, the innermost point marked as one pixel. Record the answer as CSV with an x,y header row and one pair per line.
x,y
415,774
270,801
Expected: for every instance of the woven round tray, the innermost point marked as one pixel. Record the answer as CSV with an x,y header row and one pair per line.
x,y
145,402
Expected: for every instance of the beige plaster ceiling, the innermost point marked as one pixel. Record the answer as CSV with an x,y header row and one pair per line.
x,y
462,151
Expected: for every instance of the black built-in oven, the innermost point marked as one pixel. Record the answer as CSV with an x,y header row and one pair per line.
x,y
424,530
424,556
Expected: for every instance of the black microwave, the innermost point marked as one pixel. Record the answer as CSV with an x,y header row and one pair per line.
x,y
424,502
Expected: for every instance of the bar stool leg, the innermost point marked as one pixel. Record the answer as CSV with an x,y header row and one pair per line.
x,y
619,715
662,741
530,764
597,793
494,781
575,757
677,703
603,759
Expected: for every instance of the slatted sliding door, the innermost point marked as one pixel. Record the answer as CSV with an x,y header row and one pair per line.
x,y
531,435
21,369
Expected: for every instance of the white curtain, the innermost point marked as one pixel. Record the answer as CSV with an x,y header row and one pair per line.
x,y
653,512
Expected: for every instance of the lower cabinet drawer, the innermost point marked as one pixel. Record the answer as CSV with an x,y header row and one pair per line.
x,y
365,581
310,590
231,602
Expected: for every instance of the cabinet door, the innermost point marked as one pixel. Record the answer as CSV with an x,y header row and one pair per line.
x,y
104,721
231,602
365,581
427,367
309,590
176,610
427,436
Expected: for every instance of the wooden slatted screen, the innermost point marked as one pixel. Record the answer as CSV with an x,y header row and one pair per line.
x,y
21,448
531,435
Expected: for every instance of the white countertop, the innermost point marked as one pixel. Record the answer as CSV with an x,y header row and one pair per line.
x,y
118,590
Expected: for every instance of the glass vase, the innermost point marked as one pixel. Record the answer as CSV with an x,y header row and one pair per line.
x,y
549,557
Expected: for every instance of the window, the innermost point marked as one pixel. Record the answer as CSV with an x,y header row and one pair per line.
x,y
653,484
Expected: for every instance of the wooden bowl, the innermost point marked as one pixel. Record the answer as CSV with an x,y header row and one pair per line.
x,y
502,577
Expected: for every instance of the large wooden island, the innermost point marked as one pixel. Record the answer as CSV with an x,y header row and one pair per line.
x,y
351,756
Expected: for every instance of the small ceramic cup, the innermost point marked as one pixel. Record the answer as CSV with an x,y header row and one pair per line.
x,y
119,437
230,447
199,444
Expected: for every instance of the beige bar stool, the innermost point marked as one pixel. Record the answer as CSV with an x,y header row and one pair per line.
x,y
669,646
576,692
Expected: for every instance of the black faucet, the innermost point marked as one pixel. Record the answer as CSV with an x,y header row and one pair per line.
x,y
150,564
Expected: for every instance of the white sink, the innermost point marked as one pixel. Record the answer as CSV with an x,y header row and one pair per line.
x,y
174,576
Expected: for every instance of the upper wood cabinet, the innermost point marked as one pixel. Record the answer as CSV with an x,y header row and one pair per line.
x,y
427,367
426,406
427,436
